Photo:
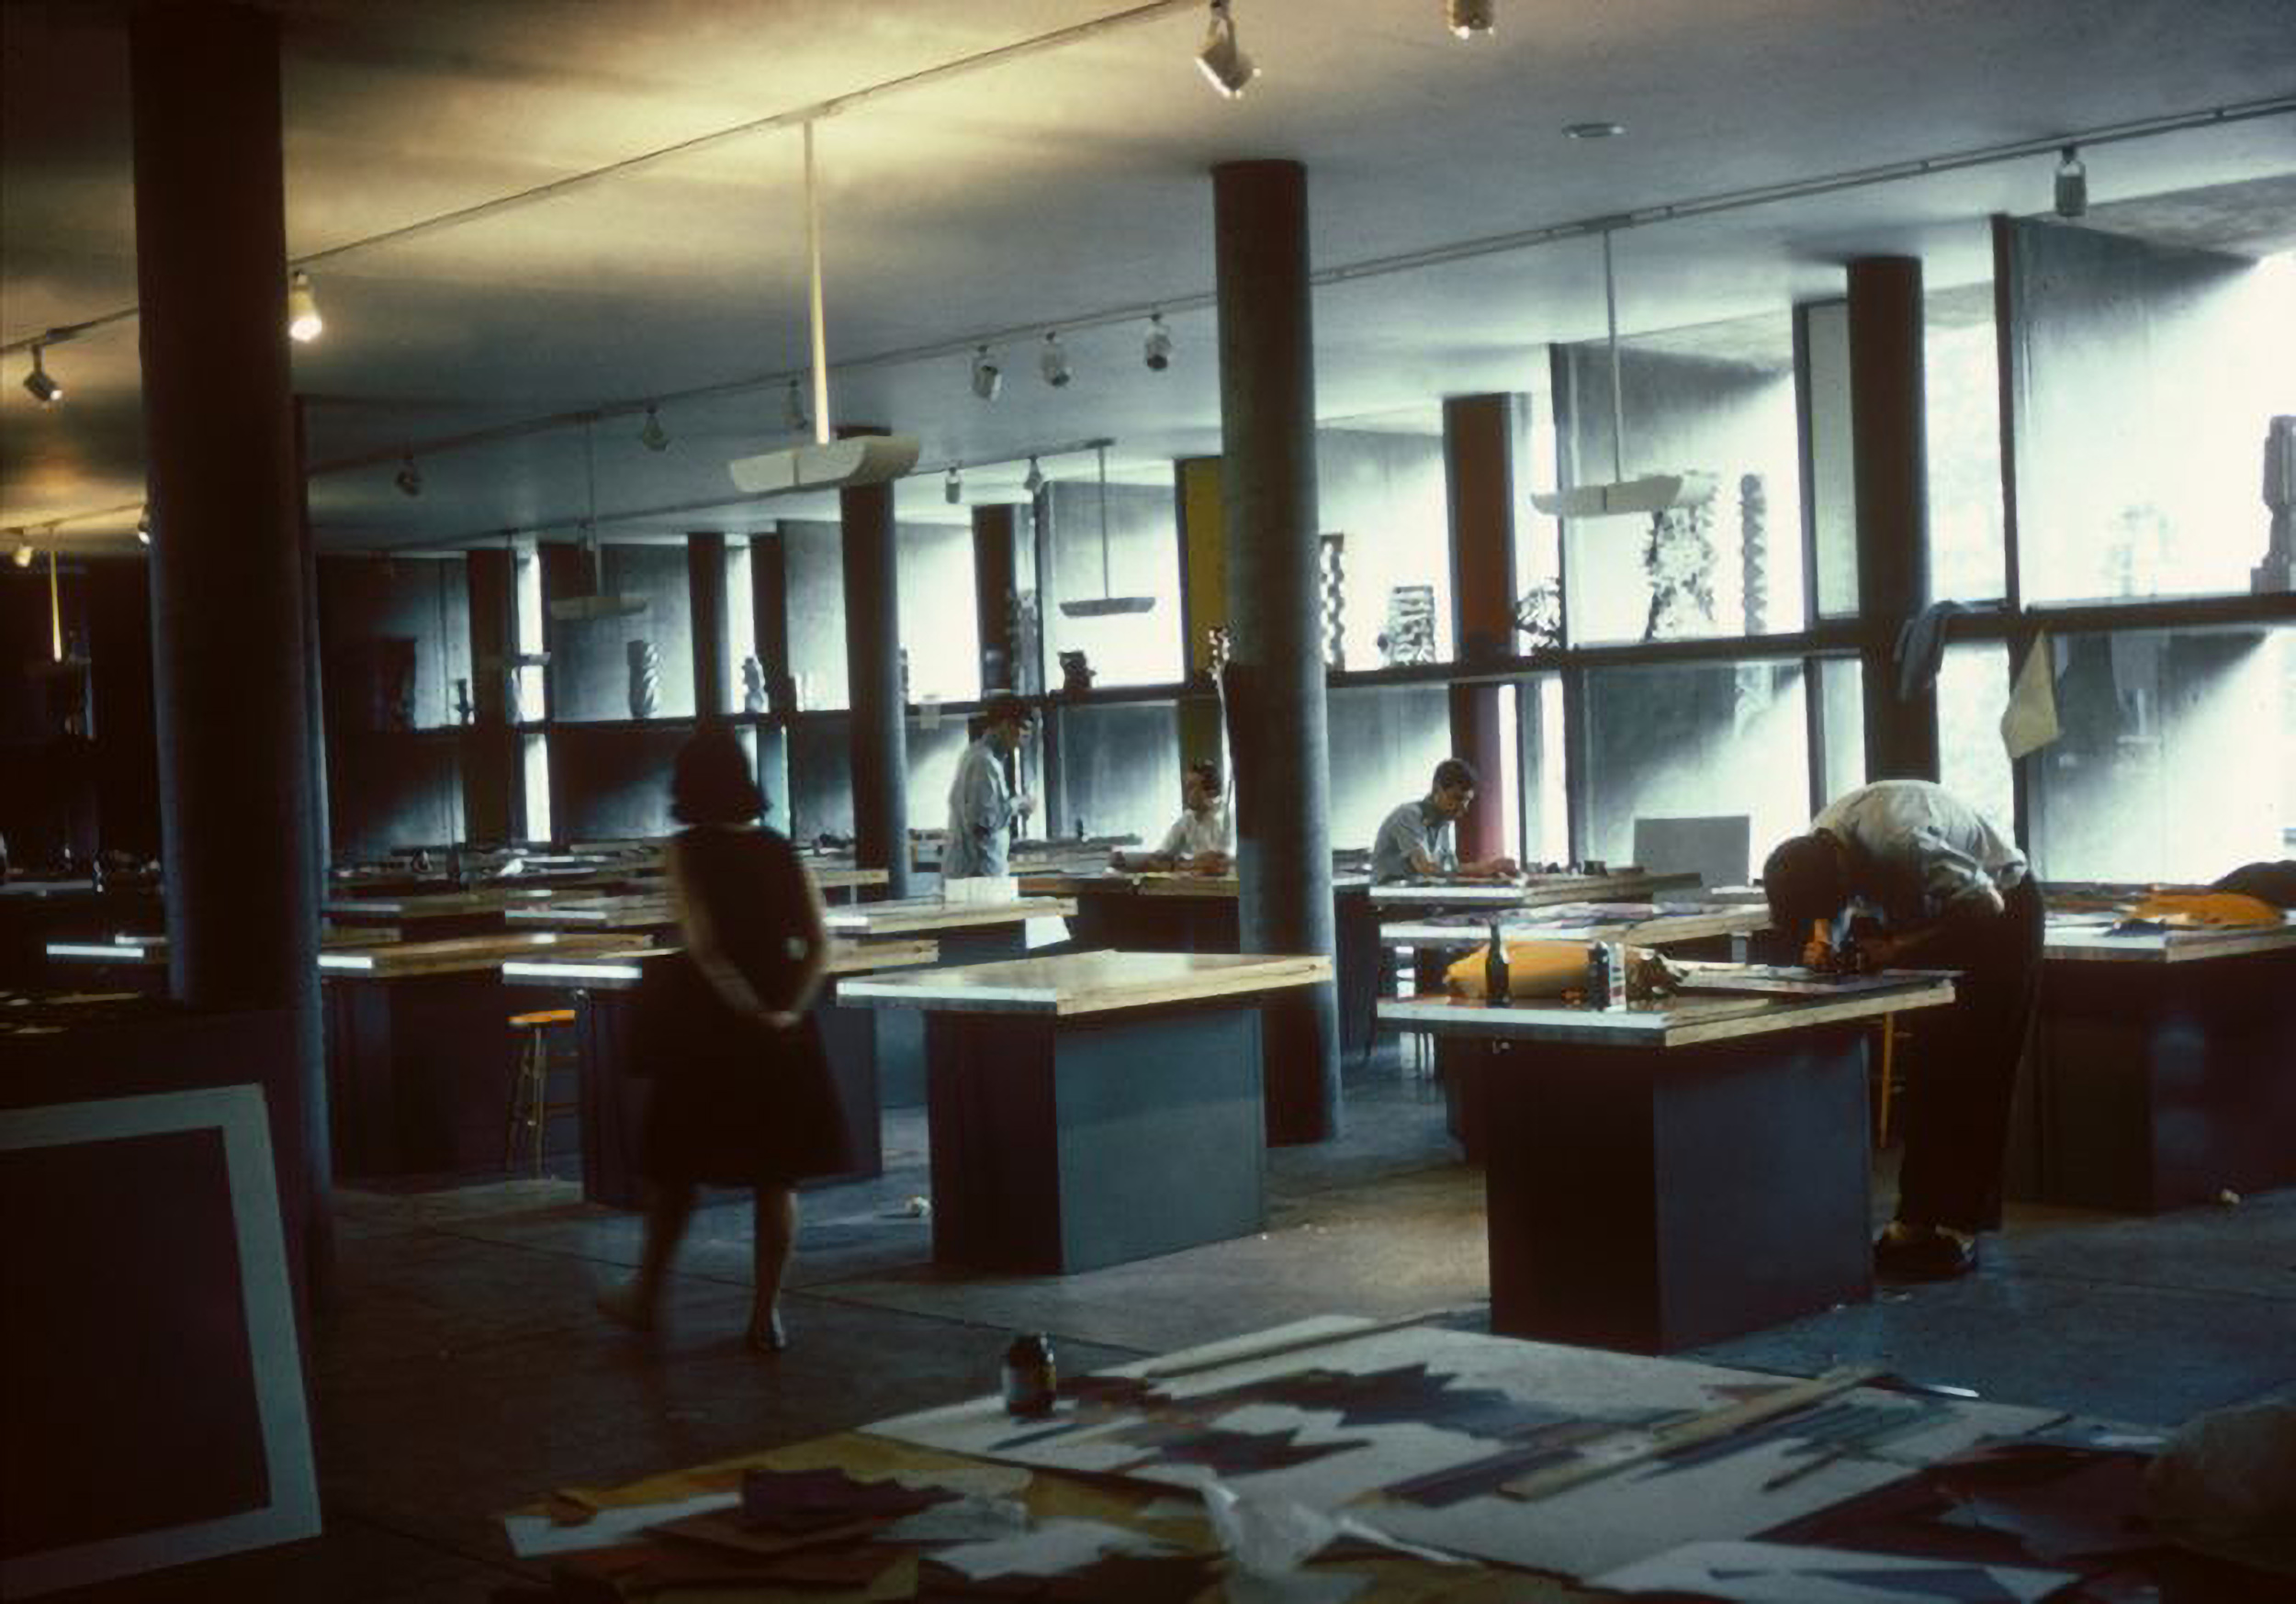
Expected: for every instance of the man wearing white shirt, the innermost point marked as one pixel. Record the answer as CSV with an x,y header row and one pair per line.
x,y
1202,839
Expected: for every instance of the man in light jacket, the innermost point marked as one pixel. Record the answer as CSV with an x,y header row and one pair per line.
x,y
981,805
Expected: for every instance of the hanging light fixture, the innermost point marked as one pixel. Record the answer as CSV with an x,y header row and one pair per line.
x,y
143,525
598,603
1470,18
1106,604
1034,479
653,437
860,459
41,383
1225,65
1053,361
987,377
22,555
1156,350
409,479
1651,493
952,488
2072,185
793,415
304,323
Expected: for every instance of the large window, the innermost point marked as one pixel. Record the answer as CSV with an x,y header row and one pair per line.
x,y
628,666
941,630
813,569
1696,741
1973,684
1385,743
2151,373
2178,757
1379,486
1717,400
1143,559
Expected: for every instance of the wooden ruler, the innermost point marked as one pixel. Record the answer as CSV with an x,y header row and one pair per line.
x,y
1633,1449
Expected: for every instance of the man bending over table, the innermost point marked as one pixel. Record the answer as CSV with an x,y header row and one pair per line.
x,y
1951,892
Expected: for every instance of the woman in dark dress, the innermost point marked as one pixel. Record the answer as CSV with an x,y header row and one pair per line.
x,y
742,1093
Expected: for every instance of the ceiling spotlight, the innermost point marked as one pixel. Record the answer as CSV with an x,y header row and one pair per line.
x,y
653,437
304,323
143,525
44,389
1594,131
1224,63
794,418
952,488
2072,184
1156,352
409,479
987,377
1035,479
1470,18
1052,362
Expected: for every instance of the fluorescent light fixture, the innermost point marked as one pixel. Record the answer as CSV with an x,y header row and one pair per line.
x,y
41,383
1594,130
653,437
1156,350
860,459
2072,187
952,488
1470,18
1106,604
304,323
1053,361
409,479
1225,65
1651,493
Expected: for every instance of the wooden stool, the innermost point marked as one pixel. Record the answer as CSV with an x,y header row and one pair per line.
x,y
531,1107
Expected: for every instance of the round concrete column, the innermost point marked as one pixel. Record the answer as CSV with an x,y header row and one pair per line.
x,y
1889,445
1275,680
873,666
229,617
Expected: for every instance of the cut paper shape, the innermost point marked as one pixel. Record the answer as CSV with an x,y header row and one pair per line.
x,y
2030,720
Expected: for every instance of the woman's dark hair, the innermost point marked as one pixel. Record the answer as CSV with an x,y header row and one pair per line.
x,y
1803,879
711,784
1205,769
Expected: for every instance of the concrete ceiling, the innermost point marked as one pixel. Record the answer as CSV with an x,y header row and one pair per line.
x,y
1061,186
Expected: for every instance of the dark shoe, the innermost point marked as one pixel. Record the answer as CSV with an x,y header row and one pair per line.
x,y
767,1336
1912,1253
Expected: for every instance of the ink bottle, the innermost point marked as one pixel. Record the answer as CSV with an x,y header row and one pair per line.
x,y
1031,1380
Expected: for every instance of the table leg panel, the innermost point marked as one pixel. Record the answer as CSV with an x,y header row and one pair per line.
x,y
1657,1203
989,1108
1160,1131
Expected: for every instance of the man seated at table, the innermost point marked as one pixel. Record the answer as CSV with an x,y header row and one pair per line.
x,y
982,806
1202,839
1415,841
1952,893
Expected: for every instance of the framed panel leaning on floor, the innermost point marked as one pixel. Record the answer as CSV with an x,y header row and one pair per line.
x,y
154,1381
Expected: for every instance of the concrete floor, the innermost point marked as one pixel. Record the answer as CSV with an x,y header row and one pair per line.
x,y
462,1371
